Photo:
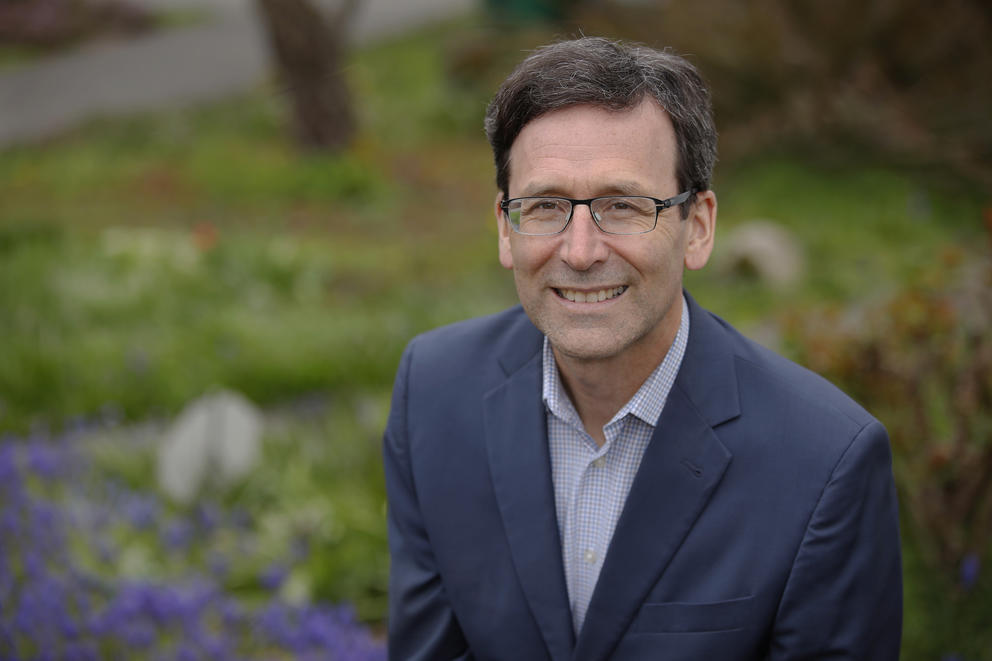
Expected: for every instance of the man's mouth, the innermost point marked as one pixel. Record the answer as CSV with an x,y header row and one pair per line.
x,y
591,296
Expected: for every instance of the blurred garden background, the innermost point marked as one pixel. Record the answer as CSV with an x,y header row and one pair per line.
x,y
195,257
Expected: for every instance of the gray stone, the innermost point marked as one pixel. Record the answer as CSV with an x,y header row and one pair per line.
x,y
216,438
764,250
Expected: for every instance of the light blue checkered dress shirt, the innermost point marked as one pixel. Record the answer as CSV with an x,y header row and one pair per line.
x,y
591,482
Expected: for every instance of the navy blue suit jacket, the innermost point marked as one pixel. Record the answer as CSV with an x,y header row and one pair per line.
x,y
761,524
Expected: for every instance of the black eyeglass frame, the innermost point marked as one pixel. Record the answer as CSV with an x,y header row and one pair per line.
x,y
660,205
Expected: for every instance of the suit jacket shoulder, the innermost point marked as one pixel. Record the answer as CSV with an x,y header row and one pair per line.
x,y
720,360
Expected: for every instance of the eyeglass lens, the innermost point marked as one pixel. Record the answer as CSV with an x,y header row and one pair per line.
x,y
616,215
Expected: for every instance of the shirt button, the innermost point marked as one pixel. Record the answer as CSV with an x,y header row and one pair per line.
x,y
589,556
599,463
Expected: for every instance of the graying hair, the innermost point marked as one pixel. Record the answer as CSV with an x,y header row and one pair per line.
x,y
612,75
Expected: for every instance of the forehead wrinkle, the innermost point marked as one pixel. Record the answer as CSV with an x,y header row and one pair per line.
x,y
563,175
569,150
555,156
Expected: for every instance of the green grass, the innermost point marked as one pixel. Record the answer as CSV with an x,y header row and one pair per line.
x,y
146,260
940,618
145,319
862,230
181,17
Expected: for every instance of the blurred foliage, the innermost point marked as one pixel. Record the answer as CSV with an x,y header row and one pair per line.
x,y
313,509
32,29
921,360
146,318
863,229
96,564
903,78
51,24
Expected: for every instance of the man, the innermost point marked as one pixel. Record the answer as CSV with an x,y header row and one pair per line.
x,y
608,471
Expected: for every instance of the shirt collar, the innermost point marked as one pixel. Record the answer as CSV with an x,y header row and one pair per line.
x,y
649,400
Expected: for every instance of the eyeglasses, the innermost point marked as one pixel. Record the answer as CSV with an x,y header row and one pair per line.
x,y
614,214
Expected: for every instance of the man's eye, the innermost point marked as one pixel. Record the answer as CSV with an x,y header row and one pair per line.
x,y
543,207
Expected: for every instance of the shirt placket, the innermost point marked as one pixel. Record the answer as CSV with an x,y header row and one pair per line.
x,y
593,502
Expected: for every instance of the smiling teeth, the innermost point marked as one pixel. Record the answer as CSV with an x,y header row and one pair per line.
x,y
592,296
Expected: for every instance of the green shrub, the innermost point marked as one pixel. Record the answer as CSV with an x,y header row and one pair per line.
x,y
921,360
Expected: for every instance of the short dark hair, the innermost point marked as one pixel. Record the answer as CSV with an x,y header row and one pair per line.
x,y
612,75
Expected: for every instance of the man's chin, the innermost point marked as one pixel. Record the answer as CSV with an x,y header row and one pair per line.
x,y
586,345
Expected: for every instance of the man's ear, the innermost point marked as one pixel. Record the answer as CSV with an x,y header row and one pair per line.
x,y
701,230
505,255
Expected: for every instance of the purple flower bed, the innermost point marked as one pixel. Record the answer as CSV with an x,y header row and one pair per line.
x,y
60,597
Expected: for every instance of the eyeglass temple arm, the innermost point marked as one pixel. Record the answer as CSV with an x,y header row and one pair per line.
x,y
672,201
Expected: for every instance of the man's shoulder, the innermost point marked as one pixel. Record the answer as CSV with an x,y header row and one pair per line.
x,y
765,375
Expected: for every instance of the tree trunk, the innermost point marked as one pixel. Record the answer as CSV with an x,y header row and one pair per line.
x,y
308,45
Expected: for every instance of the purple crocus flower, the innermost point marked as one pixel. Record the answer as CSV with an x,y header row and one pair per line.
x,y
81,651
971,566
178,534
10,474
43,459
273,576
139,634
141,510
207,516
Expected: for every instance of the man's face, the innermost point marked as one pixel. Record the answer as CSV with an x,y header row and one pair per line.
x,y
583,152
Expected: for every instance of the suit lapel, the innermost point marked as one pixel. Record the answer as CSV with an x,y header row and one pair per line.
x,y
516,441
681,469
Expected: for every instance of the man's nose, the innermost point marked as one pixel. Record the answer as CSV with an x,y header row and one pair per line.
x,y
583,243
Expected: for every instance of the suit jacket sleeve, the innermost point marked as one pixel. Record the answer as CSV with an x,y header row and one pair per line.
x,y
421,622
843,598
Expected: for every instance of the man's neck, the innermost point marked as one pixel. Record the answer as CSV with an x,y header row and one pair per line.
x,y
600,388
